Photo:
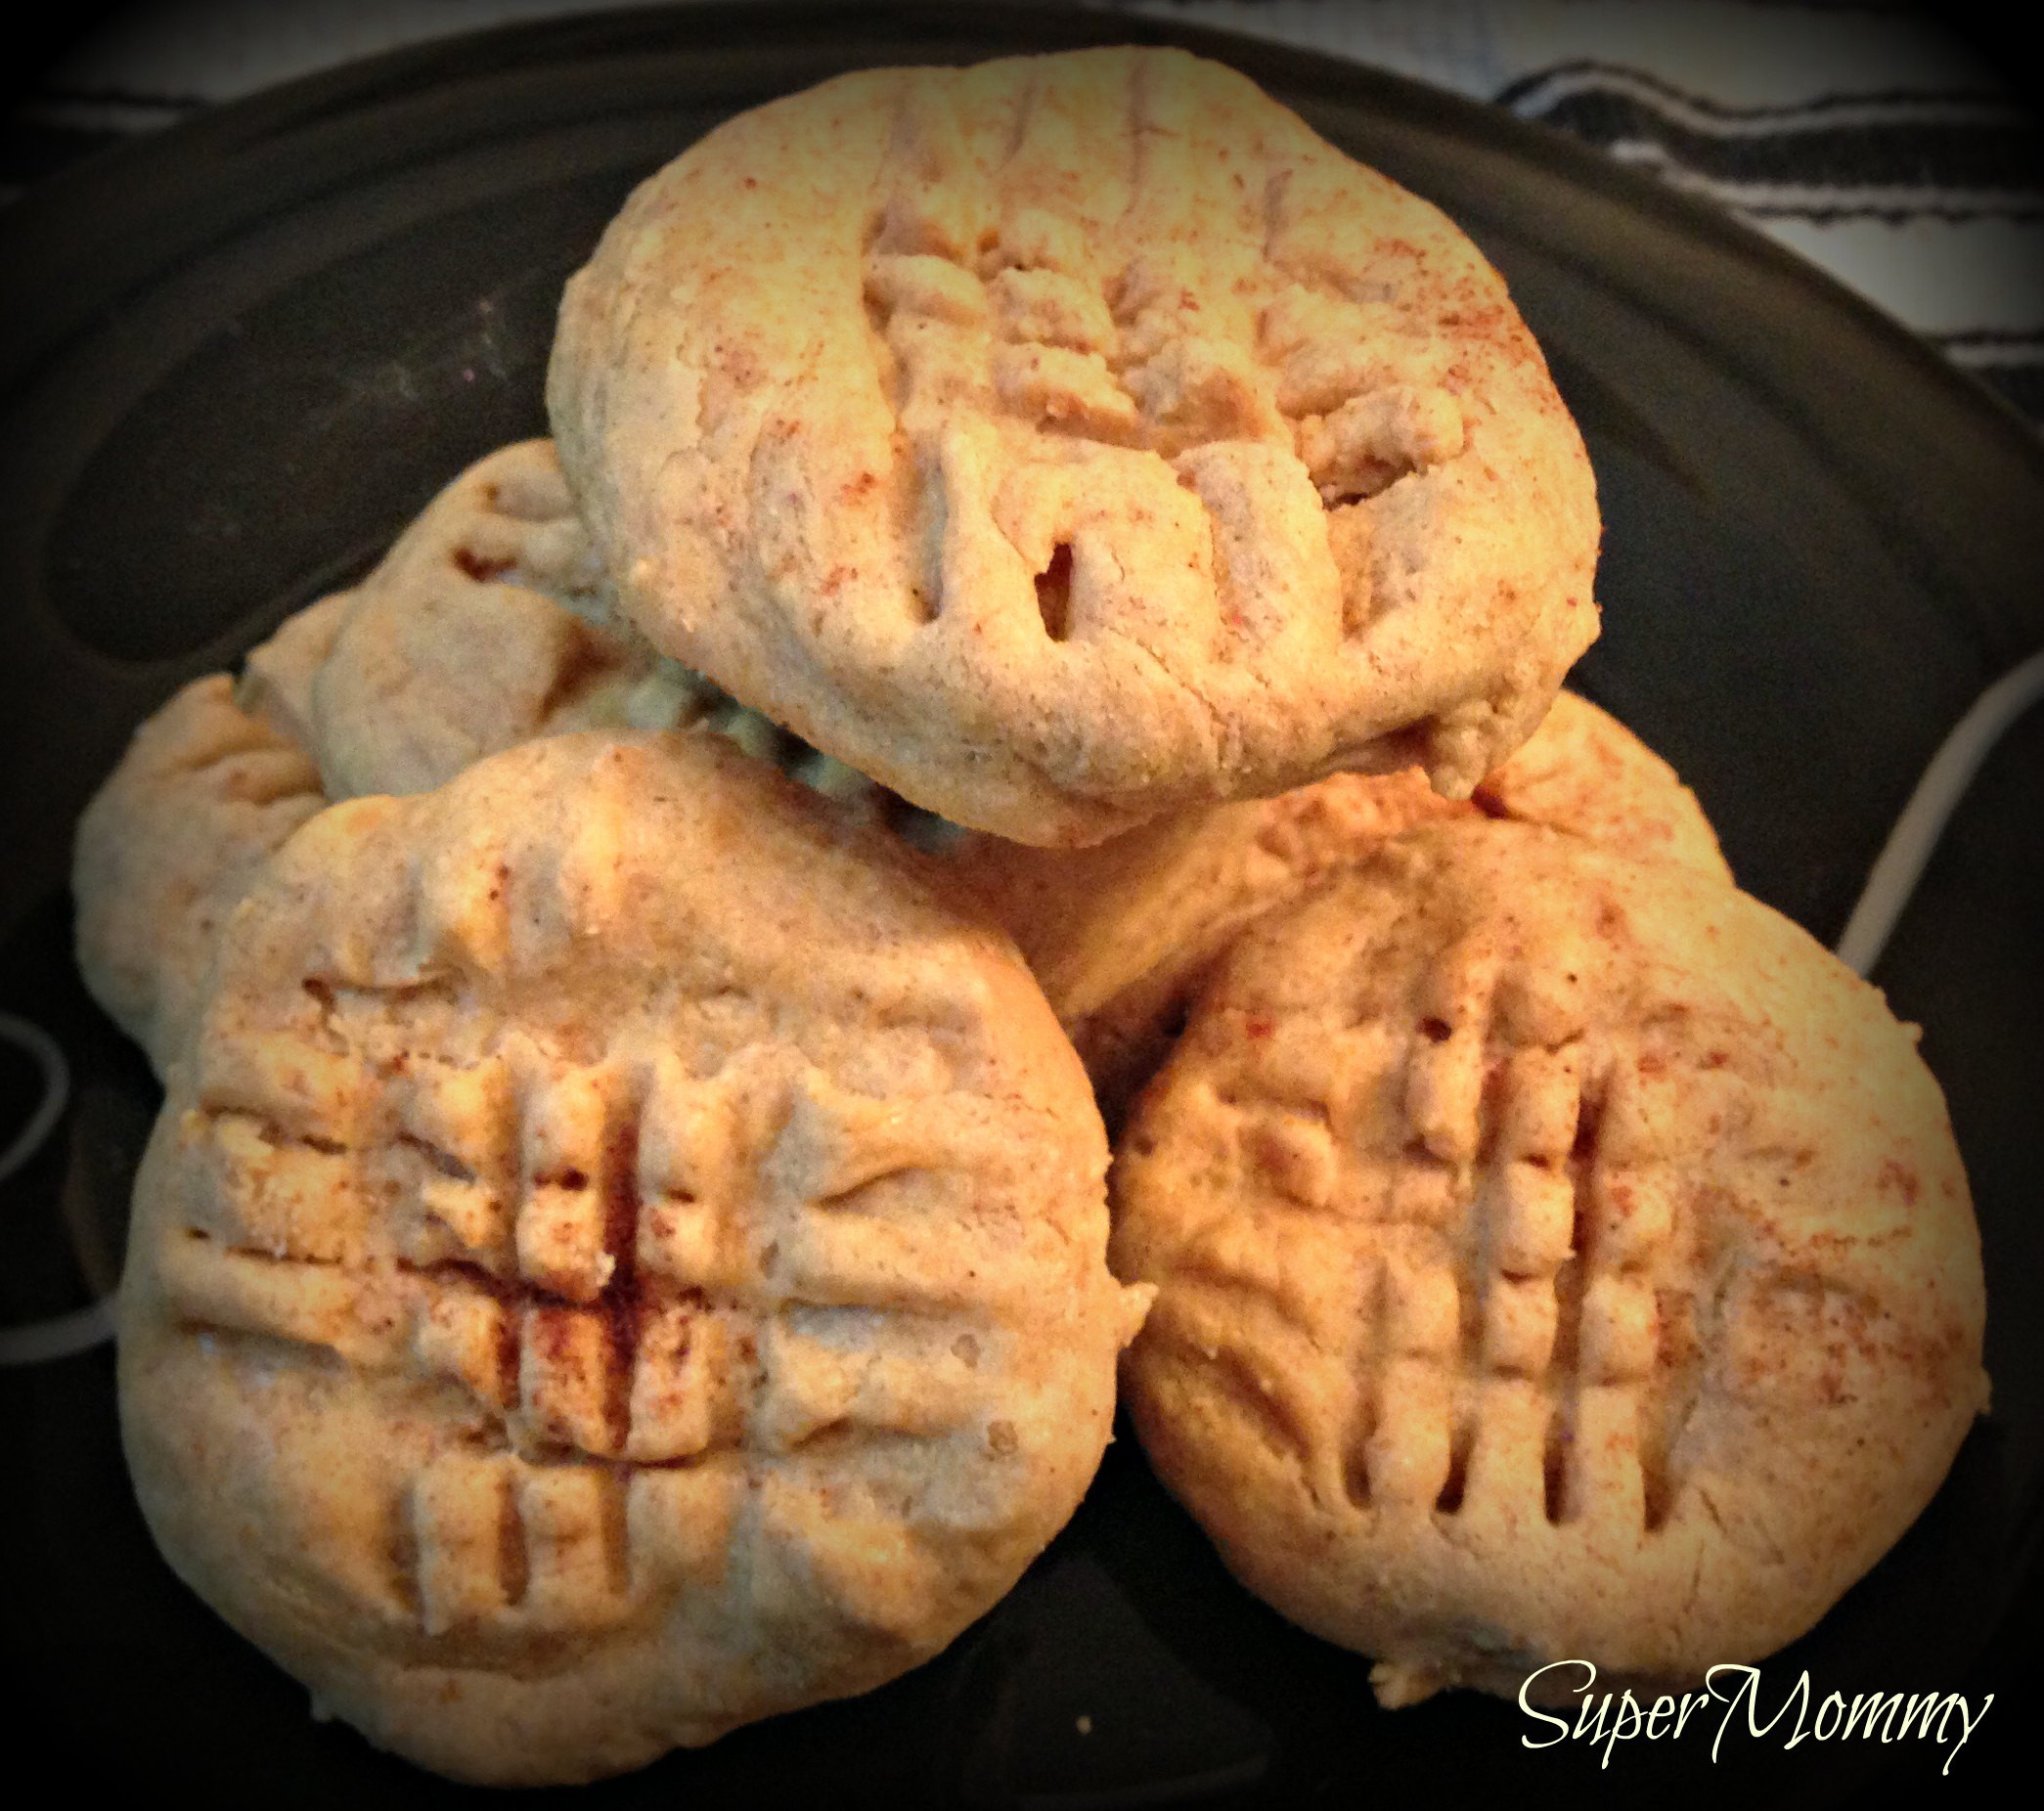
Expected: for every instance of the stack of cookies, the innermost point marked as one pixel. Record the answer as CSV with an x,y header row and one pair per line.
x,y
1044,611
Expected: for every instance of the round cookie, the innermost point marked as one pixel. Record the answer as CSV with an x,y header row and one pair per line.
x,y
1121,936
172,839
484,626
1558,1256
1068,441
622,1258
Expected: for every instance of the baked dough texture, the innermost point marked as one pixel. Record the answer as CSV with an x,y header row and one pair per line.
x,y
481,628
1067,441
621,1258
484,626
276,678
1583,771
1559,1257
1122,935
171,842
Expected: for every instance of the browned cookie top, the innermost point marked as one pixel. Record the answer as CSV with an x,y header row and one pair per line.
x,y
1066,440
622,1258
1560,1257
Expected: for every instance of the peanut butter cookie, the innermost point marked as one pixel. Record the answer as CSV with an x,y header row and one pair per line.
x,y
1072,440
622,1258
1559,1257
171,842
484,626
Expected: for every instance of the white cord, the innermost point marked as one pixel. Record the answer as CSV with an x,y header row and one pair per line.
x,y
38,1340
57,1090
1907,850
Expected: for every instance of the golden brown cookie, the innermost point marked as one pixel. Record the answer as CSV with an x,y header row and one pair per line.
x,y
1072,440
1583,771
1559,1257
275,679
457,644
623,1257
169,842
1122,935
483,627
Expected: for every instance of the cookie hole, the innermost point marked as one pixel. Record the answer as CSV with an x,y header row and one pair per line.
x,y
514,1567
1355,1477
562,1178
1554,1469
1362,484
481,567
1452,1487
278,1136
1409,746
1588,1122
1435,1031
509,1360
1568,1282
1252,1397
1355,1462
1657,1491
1054,594
622,1210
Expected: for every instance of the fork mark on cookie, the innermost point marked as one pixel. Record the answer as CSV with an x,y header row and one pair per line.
x,y
607,1261
1524,1238
987,305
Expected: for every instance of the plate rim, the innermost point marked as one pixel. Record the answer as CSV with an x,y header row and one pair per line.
x,y
104,186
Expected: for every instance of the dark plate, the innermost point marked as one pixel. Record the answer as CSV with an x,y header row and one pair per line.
x,y
237,356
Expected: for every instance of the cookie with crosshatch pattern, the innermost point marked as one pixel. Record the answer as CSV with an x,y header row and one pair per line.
x,y
1070,440
622,1258
1558,1256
